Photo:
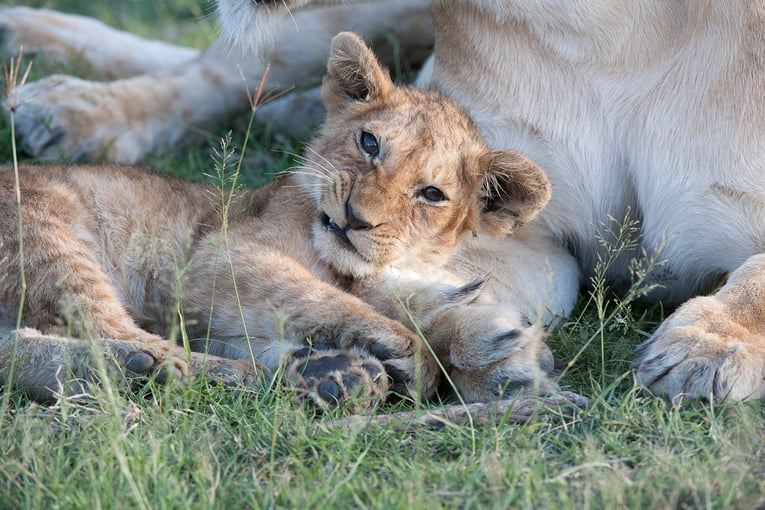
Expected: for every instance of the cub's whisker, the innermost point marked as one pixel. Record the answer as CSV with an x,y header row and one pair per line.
x,y
331,165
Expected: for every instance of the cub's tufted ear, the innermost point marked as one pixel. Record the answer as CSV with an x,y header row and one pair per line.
x,y
353,73
515,190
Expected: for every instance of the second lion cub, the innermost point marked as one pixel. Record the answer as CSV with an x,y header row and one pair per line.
x,y
328,270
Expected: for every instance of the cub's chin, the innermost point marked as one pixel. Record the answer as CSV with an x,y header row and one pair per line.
x,y
336,249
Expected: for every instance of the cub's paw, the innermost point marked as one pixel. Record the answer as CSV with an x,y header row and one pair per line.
x,y
330,378
528,372
48,366
160,359
62,117
701,350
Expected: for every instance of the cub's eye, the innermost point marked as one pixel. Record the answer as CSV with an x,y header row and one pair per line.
x,y
369,144
432,194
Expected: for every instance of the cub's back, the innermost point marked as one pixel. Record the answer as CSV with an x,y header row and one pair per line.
x,y
116,201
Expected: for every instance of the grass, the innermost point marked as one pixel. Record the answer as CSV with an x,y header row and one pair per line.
x,y
202,446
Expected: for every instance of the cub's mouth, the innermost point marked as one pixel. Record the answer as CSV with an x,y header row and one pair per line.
x,y
330,225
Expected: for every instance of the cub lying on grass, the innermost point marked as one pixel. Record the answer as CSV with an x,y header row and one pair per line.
x,y
332,270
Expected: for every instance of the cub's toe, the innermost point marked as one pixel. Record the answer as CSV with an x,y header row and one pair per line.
x,y
160,359
139,362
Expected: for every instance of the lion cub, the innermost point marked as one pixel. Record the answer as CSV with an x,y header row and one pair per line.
x,y
391,185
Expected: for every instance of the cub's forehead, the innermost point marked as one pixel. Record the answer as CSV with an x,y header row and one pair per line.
x,y
427,123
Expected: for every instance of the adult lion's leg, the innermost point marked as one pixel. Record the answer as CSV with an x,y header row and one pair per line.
x,y
712,346
63,117
124,120
106,53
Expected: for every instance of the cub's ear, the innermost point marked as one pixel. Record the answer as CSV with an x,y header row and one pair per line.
x,y
353,73
515,190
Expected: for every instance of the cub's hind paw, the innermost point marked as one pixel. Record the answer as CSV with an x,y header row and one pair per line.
x,y
330,378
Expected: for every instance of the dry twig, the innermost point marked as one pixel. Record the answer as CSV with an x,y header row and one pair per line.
x,y
519,410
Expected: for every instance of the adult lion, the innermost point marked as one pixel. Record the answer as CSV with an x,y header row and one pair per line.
x,y
645,108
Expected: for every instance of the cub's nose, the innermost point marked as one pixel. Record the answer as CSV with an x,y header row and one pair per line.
x,y
354,222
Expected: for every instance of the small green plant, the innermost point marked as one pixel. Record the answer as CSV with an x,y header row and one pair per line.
x,y
620,242
14,81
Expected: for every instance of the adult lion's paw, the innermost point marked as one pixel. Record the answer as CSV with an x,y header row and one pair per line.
x,y
62,117
704,350
329,378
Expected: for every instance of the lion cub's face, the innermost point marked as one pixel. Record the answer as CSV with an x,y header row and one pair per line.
x,y
399,174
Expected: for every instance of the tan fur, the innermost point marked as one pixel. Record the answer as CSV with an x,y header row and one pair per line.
x,y
343,255
643,107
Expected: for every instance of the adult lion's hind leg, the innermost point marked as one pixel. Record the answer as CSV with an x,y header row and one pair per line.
x,y
712,346
103,52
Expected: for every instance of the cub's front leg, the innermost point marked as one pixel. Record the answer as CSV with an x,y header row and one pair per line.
x,y
489,349
492,352
712,346
269,306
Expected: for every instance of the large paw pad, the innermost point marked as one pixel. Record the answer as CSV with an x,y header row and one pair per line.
x,y
329,378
